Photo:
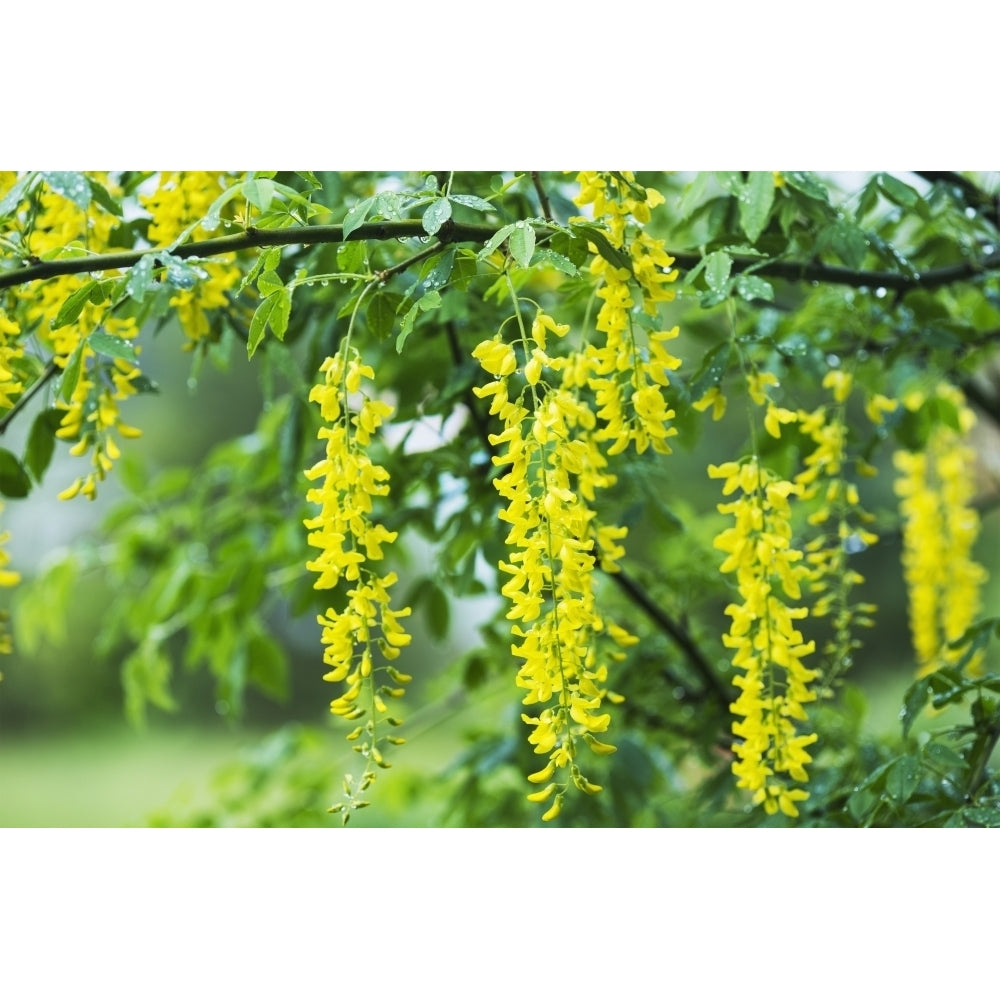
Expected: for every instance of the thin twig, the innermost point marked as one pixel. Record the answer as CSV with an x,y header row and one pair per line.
x,y
50,369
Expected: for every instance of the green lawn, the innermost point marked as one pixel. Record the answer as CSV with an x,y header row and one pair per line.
x,y
111,776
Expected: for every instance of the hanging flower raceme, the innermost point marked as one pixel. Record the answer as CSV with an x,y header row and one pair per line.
x,y
628,371
364,637
92,418
767,645
10,382
553,469
940,527
180,203
842,525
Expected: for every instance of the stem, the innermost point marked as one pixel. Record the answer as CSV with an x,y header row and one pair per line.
x,y
50,369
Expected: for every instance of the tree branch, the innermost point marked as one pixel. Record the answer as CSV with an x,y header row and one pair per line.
x,y
454,232
450,232
831,275
677,633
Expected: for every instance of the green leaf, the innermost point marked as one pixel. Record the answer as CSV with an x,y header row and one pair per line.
x,y
718,266
381,313
471,201
14,481
70,311
898,192
604,247
71,373
267,666
146,678
70,184
102,196
846,240
112,347
861,802
259,192
269,282
913,703
140,277
556,260
357,215
808,184
17,193
438,612
944,756
755,200
436,215
495,240
983,815
41,441
428,301
274,311
522,243
902,778
750,287
351,256
439,269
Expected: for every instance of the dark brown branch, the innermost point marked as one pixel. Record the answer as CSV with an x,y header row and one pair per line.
x,y
678,634
450,232
543,198
831,275
453,232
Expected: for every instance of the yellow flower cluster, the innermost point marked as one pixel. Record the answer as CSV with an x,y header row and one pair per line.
x,y
554,468
92,418
767,646
181,200
843,524
10,382
364,637
940,527
628,376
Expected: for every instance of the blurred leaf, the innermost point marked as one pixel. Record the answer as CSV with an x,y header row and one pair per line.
x,y
913,703
381,313
902,778
752,288
14,481
146,678
41,441
112,347
268,666
70,184
755,199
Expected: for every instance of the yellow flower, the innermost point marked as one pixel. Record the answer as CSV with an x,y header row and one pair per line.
x,y
940,528
766,644
362,638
